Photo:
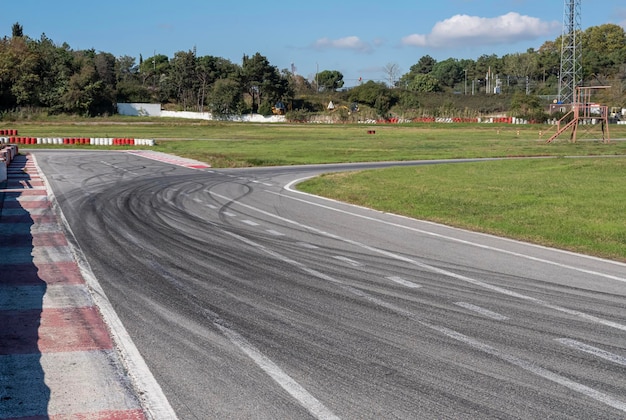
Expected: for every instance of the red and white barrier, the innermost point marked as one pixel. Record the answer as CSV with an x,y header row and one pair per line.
x,y
93,141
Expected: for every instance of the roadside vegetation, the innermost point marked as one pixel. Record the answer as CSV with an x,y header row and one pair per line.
x,y
41,78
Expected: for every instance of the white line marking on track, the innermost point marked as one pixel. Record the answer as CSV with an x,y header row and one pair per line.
x,y
348,261
154,400
250,222
229,214
289,186
436,270
481,311
275,232
308,401
404,282
307,245
516,361
620,360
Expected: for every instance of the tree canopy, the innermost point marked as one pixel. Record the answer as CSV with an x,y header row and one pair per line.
x,y
329,80
38,73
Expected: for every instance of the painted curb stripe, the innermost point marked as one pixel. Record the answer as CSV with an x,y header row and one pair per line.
x,y
63,272
52,330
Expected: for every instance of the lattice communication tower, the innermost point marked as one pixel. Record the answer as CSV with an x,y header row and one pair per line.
x,y
571,53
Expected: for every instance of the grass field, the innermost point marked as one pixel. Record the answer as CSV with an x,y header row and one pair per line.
x,y
574,204
570,203
249,144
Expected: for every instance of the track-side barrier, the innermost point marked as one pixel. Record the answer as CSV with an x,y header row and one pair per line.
x,y
93,141
7,153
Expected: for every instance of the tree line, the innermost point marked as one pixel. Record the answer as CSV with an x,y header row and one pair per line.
x,y
40,74
534,71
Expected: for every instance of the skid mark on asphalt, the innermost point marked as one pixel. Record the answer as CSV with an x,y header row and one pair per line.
x,y
433,269
299,393
485,348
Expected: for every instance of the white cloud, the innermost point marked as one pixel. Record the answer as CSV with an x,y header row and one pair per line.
x,y
347,43
465,29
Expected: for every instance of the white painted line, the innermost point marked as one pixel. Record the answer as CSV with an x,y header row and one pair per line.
x,y
537,370
620,360
348,261
229,214
307,245
250,222
433,269
154,401
516,361
275,232
308,401
404,282
211,206
289,187
481,311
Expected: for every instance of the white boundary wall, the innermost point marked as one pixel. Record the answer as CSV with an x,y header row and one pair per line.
x,y
139,109
209,116
154,110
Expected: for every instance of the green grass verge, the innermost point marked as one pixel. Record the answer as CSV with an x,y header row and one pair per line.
x,y
575,204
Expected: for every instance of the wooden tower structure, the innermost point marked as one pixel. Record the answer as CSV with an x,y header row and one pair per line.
x,y
584,112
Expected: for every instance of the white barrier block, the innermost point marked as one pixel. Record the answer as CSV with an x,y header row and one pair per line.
x,y
3,170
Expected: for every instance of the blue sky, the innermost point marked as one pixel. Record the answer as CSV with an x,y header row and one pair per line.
x,y
357,38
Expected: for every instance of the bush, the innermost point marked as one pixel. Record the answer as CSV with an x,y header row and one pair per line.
x,y
297,115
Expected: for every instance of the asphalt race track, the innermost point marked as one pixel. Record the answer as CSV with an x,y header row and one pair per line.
x,y
248,300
